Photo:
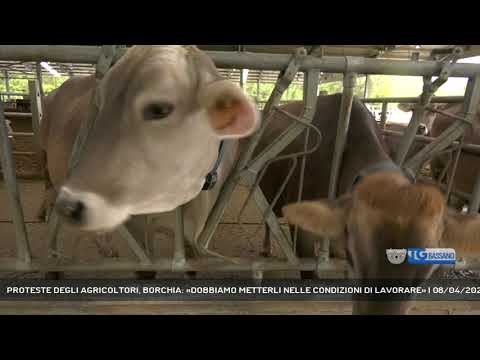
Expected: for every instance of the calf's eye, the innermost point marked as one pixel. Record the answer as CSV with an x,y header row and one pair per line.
x,y
157,111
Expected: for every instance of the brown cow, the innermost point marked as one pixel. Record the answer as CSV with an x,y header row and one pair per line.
x,y
468,167
383,210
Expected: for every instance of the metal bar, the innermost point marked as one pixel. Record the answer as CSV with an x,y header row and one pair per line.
x,y
418,115
454,170
435,99
310,88
17,115
349,83
38,69
22,134
474,205
7,84
468,148
8,169
383,115
472,98
458,193
85,129
429,89
37,111
200,264
234,177
260,61
28,153
274,225
9,93
133,244
179,251
365,90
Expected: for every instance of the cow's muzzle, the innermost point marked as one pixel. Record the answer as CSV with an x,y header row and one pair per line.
x,y
70,208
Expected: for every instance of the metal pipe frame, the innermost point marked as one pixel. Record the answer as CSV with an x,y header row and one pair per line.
x,y
17,115
7,84
452,133
37,111
92,54
349,83
8,169
105,60
259,61
243,163
9,93
401,100
201,264
468,148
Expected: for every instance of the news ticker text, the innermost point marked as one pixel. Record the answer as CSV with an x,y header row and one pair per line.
x,y
202,290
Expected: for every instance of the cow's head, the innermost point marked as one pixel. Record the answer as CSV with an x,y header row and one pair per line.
x,y
385,212
429,116
163,111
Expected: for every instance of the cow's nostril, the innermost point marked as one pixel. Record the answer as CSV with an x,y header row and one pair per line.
x,y
73,210
76,211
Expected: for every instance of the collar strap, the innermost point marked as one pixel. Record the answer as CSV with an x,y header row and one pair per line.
x,y
386,165
212,177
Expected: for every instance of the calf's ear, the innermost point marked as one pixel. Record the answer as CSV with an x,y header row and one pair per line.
x,y
323,217
462,233
231,113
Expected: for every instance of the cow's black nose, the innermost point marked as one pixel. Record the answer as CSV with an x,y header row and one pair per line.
x,y
70,209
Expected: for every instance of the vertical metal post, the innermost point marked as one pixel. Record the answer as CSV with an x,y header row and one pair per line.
x,y
179,251
429,89
310,88
365,90
38,69
36,108
232,180
383,115
7,83
472,99
8,169
349,82
257,98
454,131
412,128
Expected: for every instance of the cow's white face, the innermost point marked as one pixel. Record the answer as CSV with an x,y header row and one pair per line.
x,y
163,111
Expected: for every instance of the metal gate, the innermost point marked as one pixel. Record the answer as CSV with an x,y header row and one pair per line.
x,y
246,169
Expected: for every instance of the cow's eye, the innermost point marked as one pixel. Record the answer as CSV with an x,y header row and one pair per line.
x,y
157,111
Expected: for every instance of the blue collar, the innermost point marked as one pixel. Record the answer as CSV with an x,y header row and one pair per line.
x,y
212,177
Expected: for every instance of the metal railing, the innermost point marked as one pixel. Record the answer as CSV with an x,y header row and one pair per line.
x,y
246,168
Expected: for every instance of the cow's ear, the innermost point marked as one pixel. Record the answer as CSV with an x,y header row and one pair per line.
x,y
324,218
462,233
230,111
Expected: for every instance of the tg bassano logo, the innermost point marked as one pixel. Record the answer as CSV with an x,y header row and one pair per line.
x,y
431,256
418,256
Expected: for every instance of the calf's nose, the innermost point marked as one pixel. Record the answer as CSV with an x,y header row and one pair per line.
x,y
70,208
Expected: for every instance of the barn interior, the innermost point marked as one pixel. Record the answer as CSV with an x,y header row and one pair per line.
x,y
231,238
